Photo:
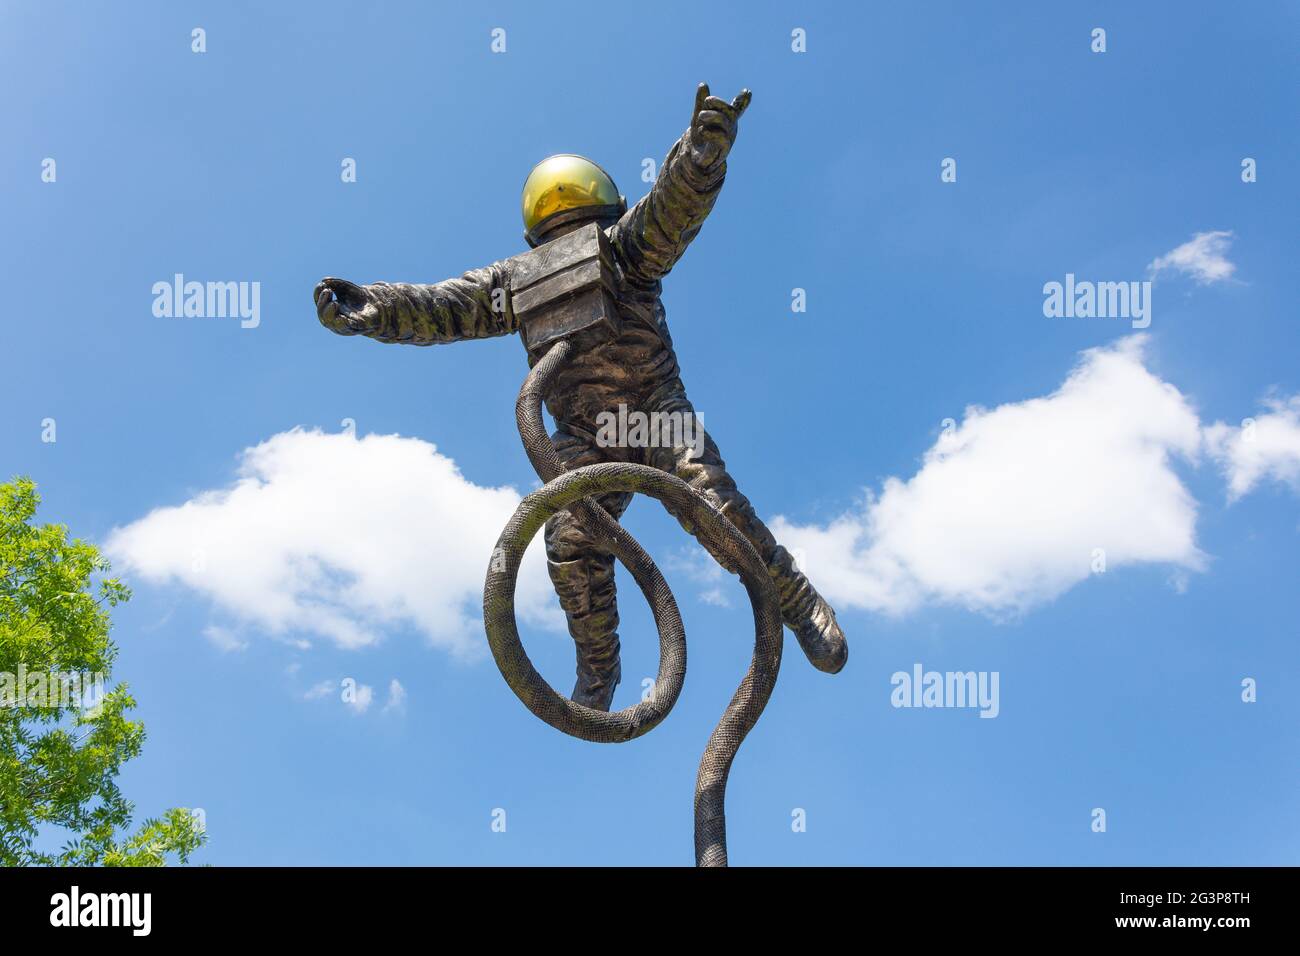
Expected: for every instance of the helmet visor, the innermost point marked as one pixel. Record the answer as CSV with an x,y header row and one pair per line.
x,y
565,182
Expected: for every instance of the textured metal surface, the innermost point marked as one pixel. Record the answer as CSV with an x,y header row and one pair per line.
x,y
634,368
573,490
565,289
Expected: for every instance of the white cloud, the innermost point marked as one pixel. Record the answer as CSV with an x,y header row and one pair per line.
x,y
1266,446
319,690
1008,508
327,534
359,699
1203,258
715,596
224,639
698,566
396,696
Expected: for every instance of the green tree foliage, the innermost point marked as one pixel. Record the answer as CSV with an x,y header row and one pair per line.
x,y
58,765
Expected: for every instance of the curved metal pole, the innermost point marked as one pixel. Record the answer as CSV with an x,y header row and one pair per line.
x,y
576,491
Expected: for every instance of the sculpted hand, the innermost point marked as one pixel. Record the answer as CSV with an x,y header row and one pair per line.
x,y
713,126
345,307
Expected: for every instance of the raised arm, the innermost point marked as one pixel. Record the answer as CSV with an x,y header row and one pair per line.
x,y
654,233
475,306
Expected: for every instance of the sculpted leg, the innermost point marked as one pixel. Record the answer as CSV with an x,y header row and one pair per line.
x,y
583,575
803,610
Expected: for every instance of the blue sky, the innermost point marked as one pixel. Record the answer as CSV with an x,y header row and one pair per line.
x,y
1119,690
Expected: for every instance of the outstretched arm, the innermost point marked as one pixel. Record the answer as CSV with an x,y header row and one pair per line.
x,y
475,306
654,233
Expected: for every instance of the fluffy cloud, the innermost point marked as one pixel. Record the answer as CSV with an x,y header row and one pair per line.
x,y
1203,258
224,639
320,689
359,698
698,566
356,696
396,696
1264,447
327,534
1009,508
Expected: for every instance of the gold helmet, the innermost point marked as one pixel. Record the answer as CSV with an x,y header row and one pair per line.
x,y
566,188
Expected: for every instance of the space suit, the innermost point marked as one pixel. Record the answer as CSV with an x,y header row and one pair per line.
x,y
635,369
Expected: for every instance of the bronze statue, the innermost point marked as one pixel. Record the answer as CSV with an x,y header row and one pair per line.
x,y
638,369
592,284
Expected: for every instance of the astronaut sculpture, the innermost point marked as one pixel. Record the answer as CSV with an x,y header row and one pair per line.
x,y
586,301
